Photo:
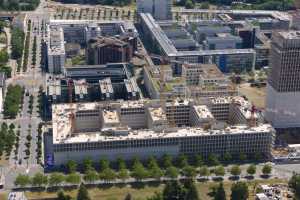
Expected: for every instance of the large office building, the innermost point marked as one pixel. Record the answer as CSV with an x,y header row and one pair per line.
x,y
283,90
66,38
160,9
146,128
228,59
105,50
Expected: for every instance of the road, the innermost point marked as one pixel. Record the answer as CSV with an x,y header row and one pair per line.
x,y
31,80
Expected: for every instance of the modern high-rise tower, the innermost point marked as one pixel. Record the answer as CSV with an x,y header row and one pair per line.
x,y
283,89
160,9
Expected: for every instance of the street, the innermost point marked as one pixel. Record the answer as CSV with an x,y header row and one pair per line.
x,y
31,80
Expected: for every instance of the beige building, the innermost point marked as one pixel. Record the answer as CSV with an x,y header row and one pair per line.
x,y
146,128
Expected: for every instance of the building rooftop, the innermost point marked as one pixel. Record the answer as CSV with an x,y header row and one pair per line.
x,y
106,86
81,87
157,114
290,34
170,50
211,71
221,100
132,104
110,117
54,88
203,112
244,106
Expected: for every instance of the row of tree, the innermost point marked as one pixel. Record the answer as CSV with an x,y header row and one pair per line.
x,y
17,43
250,4
166,161
34,48
13,100
7,138
39,143
138,170
102,2
82,194
18,4
26,50
188,191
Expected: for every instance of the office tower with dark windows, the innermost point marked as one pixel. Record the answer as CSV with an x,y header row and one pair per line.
x,y
283,90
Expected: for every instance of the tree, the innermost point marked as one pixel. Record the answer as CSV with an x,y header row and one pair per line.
x,y
235,170
172,172
62,196
191,192
220,171
294,183
87,164
22,180
56,179
173,190
219,192
128,197
73,178
189,171
239,191
154,169
4,56
83,193
104,164
212,160
108,174
71,166
242,157
182,161
90,176
257,156
189,4
123,174
204,171
204,5
267,169
198,161
227,157
121,164
166,161
251,170
39,180
138,171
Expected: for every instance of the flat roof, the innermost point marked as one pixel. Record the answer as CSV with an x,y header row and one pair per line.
x,y
203,112
62,121
157,114
110,117
170,50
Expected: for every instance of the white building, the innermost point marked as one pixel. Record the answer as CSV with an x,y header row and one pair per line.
x,y
56,49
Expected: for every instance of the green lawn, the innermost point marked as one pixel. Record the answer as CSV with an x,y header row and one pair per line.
x,y
139,192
